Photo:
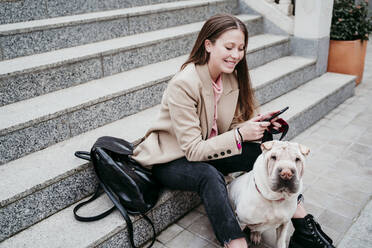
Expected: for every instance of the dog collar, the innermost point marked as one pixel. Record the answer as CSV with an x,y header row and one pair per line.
x,y
255,184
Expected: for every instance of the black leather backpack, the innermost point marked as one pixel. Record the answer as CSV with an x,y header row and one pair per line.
x,y
130,186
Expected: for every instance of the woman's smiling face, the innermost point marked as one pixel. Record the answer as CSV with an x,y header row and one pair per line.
x,y
225,53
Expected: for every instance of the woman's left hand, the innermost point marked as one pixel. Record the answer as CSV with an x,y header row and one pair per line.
x,y
273,121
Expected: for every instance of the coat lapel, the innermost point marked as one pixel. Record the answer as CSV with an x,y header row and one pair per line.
x,y
226,104
207,95
228,99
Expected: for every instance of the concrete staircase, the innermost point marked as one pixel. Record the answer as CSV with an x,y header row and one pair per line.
x,y
72,72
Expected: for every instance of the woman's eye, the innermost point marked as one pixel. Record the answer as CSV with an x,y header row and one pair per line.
x,y
228,48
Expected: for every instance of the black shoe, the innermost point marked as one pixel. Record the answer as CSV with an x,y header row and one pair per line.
x,y
308,234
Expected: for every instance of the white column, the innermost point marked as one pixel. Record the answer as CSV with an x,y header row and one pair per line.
x,y
311,31
286,7
313,18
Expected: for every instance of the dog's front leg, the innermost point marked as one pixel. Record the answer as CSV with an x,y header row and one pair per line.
x,y
281,233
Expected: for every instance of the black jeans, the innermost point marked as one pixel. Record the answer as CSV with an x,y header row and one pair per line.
x,y
207,179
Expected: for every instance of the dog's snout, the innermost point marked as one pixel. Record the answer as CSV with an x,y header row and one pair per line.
x,y
286,174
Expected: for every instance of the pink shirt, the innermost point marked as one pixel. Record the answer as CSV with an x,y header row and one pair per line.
x,y
217,90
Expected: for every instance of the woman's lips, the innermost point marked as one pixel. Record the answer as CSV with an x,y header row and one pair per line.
x,y
230,63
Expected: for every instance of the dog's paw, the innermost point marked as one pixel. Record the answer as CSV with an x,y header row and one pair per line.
x,y
256,237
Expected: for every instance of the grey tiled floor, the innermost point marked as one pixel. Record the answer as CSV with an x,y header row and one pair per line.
x,y
338,180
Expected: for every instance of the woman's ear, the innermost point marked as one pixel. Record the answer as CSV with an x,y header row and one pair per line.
x,y
208,45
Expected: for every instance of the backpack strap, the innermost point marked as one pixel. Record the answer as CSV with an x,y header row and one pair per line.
x,y
124,213
92,218
119,206
83,155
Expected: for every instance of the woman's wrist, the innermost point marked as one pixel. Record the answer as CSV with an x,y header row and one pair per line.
x,y
240,135
238,139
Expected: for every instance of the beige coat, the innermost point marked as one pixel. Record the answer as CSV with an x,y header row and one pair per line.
x,y
186,119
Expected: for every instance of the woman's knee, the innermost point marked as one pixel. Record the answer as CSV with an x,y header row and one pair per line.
x,y
184,175
210,173
211,181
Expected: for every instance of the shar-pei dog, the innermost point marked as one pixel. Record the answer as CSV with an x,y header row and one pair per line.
x,y
266,197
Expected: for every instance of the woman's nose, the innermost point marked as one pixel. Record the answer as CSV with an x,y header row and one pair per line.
x,y
235,53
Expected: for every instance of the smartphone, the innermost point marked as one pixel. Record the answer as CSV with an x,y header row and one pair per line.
x,y
277,114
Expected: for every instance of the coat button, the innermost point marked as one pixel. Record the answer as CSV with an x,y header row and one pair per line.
x,y
215,155
222,153
209,157
228,151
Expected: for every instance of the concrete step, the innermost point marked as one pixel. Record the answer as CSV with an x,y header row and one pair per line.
x,y
37,123
281,76
39,36
108,232
310,102
25,77
28,10
53,178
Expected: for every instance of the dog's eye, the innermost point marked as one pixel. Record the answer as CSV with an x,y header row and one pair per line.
x,y
273,157
298,159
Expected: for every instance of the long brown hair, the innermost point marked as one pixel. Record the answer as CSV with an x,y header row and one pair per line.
x,y
211,30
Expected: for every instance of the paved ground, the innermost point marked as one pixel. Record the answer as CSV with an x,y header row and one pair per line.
x,y
338,180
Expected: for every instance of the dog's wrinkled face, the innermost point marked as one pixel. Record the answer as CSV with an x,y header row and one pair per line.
x,y
284,163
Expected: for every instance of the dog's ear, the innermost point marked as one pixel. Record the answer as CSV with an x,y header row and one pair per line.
x,y
267,145
304,150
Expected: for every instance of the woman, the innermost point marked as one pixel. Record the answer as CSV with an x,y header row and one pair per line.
x,y
206,127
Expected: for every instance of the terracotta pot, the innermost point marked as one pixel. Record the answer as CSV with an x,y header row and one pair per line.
x,y
347,57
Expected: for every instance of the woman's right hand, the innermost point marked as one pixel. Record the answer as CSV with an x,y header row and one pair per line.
x,y
254,128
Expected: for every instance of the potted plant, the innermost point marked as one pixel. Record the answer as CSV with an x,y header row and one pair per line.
x,y
349,36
